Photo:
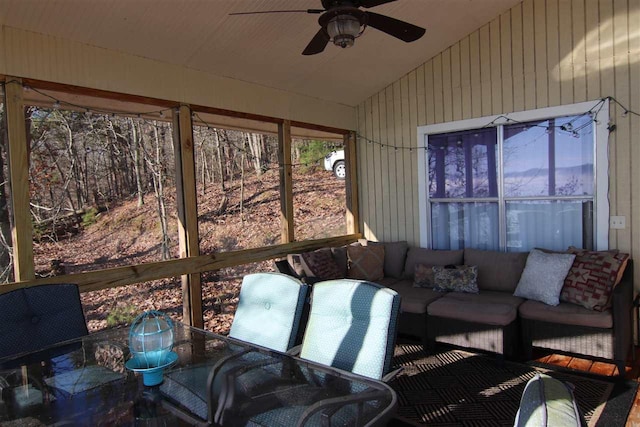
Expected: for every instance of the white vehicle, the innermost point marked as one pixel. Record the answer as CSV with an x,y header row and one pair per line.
x,y
334,161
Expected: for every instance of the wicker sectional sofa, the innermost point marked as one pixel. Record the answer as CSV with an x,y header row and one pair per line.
x,y
493,319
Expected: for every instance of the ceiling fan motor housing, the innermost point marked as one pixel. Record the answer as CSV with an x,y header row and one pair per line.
x,y
343,24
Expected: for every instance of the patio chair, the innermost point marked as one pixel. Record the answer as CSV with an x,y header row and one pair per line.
x,y
268,315
352,327
269,310
36,317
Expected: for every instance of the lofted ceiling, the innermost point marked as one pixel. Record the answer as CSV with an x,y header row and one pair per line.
x,y
264,49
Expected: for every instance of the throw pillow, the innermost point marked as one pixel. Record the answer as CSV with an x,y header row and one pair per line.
x,y
592,278
543,276
365,262
461,278
320,264
423,277
431,258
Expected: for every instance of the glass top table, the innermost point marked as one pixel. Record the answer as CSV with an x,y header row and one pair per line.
x,y
216,381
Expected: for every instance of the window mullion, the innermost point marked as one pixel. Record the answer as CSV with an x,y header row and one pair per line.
x,y
502,209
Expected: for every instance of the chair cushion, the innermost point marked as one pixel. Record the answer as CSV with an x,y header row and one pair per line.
x,y
188,387
269,310
497,271
352,326
39,316
547,401
566,313
489,308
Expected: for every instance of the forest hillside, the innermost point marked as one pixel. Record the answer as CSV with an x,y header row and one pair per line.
x,y
319,211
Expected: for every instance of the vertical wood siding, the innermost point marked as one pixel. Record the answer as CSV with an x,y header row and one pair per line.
x,y
540,53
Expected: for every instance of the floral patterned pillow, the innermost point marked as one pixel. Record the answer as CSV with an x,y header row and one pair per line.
x,y
460,278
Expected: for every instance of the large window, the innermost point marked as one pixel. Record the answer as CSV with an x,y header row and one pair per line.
x,y
533,179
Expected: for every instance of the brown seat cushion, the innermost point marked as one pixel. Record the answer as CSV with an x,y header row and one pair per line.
x,y
414,300
566,313
489,308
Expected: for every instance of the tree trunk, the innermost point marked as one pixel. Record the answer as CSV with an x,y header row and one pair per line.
x,y
242,188
6,251
203,162
135,155
220,163
158,181
256,147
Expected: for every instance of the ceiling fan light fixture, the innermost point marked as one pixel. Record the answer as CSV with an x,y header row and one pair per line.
x,y
343,29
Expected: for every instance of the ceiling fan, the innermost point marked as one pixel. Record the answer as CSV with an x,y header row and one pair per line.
x,y
342,21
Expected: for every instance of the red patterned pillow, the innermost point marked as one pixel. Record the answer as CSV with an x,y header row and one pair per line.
x,y
592,278
320,264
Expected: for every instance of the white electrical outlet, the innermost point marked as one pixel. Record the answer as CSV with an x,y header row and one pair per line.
x,y
617,222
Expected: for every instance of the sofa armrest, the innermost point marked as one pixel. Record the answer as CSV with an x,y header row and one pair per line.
x,y
622,310
282,266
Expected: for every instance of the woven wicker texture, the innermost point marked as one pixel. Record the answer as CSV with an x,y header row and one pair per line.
x,y
458,388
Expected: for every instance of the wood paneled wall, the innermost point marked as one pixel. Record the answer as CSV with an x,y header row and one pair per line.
x,y
53,59
540,53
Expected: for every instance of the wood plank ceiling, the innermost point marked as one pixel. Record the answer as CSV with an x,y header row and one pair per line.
x,y
264,49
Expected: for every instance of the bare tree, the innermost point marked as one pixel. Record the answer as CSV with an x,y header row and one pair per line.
x,y
6,262
135,156
155,162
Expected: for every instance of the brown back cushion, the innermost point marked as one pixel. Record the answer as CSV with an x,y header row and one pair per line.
x,y
497,271
430,258
394,257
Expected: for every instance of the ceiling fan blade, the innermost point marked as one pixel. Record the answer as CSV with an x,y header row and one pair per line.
x,y
314,11
317,43
373,3
394,27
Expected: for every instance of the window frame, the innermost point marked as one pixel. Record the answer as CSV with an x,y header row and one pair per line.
x,y
601,160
